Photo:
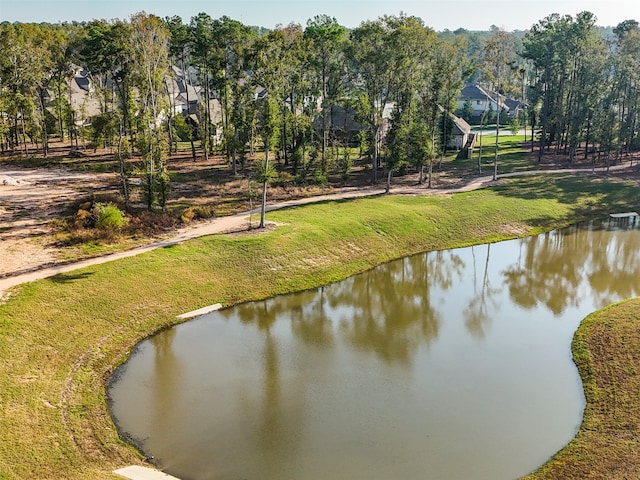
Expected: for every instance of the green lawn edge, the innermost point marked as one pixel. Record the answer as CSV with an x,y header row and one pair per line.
x,y
606,350
60,338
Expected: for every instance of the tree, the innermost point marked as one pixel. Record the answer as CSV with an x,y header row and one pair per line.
x,y
149,43
266,63
499,53
413,45
328,41
233,41
179,50
202,46
467,110
371,54
24,62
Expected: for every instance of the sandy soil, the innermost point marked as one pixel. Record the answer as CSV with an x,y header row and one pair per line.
x,y
29,200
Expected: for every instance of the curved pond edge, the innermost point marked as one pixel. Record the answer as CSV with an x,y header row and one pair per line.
x,y
606,350
67,427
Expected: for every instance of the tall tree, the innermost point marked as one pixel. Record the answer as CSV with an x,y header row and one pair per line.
x,y
203,51
232,41
328,40
499,53
267,59
150,47
414,47
371,54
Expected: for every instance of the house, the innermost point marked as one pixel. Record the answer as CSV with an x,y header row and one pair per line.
x,y
342,123
515,106
183,96
80,95
189,100
458,136
482,100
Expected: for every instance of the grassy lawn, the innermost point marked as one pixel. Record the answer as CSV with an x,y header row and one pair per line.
x,y
60,338
606,349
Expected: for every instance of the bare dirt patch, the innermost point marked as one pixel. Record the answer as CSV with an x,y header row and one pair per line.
x,y
29,200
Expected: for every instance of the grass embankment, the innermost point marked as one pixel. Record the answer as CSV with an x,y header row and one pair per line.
x,y
61,337
606,349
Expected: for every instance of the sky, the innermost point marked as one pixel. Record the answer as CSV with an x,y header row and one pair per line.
x,y
438,14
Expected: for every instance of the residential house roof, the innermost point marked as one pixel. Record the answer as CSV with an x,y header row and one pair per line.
x,y
477,92
460,126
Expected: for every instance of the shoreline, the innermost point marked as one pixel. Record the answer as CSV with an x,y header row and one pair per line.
x,y
63,336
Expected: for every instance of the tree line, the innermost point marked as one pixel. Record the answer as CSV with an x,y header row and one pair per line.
x,y
311,95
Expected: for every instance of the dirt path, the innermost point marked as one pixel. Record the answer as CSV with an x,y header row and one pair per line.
x,y
44,192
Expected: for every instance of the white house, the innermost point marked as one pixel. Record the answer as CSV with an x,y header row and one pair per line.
x,y
481,100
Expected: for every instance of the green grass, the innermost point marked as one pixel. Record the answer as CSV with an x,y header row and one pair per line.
x,y
511,158
60,338
606,349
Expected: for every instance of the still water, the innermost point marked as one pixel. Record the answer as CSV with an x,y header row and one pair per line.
x,y
443,365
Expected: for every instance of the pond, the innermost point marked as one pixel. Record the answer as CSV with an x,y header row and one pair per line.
x,y
444,365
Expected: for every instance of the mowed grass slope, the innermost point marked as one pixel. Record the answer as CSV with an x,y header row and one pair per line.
x,y
606,349
60,338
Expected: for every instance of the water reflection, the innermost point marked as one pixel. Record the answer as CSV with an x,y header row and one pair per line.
x,y
388,312
477,314
455,363
555,265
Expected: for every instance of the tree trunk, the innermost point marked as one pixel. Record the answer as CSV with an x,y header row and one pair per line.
x,y
60,125
234,152
545,108
495,156
123,175
45,140
263,208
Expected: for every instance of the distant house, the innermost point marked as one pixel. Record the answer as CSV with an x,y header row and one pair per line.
x,y
459,134
82,98
183,96
515,106
189,100
481,100
342,123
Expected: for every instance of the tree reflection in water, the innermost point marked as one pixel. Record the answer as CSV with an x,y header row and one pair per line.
x,y
473,344
388,311
556,264
477,315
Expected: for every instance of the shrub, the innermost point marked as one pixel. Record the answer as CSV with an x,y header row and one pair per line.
x,y
284,179
196,212
108,217
151,223
319,178
83,218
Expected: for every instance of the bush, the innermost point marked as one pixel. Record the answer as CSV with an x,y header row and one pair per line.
x,y
196,212
284,179
319,178
108,217
83,218
151,223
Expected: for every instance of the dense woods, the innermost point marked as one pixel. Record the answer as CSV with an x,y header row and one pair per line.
x,y
313,97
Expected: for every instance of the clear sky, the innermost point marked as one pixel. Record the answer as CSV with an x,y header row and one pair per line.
x,y
438,14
